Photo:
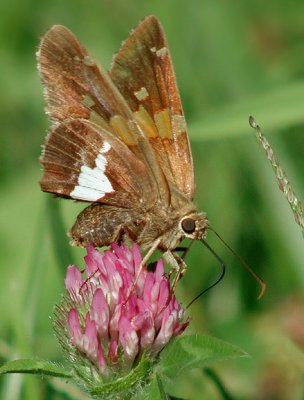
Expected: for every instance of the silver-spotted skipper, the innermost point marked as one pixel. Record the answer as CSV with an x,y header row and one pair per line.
x,y
119,141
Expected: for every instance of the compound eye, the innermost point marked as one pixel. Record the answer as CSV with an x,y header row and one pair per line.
x,y
188,225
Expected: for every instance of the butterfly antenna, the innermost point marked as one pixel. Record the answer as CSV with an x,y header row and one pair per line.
x,y
218,280
244,265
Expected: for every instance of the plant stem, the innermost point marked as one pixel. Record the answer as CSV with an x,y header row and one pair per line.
x,y
220,386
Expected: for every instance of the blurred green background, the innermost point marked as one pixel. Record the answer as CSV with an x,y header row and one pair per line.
x,y
232,59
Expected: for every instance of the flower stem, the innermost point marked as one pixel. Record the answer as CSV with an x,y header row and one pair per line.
x,y
219,385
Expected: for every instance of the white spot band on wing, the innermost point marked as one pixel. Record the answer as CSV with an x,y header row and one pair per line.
x,y
93,184
105,148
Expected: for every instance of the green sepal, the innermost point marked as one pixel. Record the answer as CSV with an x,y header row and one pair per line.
x,y
122,387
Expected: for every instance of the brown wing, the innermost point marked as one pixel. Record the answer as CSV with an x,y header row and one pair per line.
x,y
83,161
75,87
142,70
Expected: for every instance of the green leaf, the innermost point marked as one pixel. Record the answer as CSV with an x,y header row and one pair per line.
x,y
276,109
30,366
194,351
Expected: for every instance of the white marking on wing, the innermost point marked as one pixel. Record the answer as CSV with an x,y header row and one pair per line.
x,y
93,184
105,148
178,123
141,94
160,52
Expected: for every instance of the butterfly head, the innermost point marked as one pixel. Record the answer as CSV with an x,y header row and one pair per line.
x,y
194,226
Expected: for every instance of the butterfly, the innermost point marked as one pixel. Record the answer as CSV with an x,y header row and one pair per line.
x,y
119,141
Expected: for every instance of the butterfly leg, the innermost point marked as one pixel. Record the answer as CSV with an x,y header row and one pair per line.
x,y
178,266
170,259
181,271
185,250
175,258
144,262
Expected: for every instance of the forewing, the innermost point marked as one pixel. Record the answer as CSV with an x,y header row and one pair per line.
x,y
142,70
84,162
75,87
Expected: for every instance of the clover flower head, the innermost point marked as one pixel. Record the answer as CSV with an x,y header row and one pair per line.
x,y
108,326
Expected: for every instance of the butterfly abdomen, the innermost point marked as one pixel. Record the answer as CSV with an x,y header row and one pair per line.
x,y
101,225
